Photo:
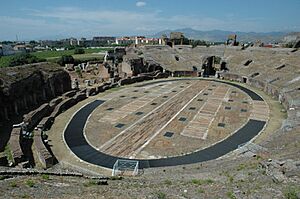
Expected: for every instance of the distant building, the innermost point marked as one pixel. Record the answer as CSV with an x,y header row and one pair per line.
x,y
176,38
73,42
81,41
20,48
108,40
138,40
9,50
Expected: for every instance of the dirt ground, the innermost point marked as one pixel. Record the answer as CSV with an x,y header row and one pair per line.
x,y
191,111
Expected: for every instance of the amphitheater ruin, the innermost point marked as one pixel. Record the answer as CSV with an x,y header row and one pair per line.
x,y
158,105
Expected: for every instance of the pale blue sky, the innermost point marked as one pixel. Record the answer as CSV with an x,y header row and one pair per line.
x,y
35,19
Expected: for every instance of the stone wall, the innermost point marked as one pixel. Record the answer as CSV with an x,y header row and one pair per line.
x,y
14,147
25,87
284,98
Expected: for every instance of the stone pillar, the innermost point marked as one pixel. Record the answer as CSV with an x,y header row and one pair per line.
x,y
30,100
16,107
25,102
44,94
62,88
52,89
5,113
34,99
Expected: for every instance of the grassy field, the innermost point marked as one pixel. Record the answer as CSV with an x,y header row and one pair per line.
x,y
4,61
55,55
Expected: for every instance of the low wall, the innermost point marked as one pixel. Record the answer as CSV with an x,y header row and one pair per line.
x,y
35,116
15,147
45,158
283,98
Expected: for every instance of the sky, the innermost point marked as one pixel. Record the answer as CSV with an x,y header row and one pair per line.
x,y
49,19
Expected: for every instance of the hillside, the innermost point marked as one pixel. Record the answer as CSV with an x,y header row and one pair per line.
x,y
220,35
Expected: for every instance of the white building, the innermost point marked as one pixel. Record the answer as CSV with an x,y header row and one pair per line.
x,y
138,40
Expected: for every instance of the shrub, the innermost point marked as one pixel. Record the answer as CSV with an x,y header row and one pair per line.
x,y
45,176
200,190
202,182
230,195
79,51
90,183
30,183
23,58
66,59
168,182
13,184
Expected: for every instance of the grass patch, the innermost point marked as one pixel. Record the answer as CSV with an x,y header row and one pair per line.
x,y
291,193
229,177
230,195
45,177
200,190
116,178
168,182
202,182
4,61
54,54
241,167
25,196
30,183
90,183
9,155
161,195
13,184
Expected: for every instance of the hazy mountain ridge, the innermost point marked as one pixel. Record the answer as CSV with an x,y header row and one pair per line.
x,y
220,35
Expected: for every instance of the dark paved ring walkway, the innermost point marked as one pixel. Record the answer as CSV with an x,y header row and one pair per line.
x,y
76,141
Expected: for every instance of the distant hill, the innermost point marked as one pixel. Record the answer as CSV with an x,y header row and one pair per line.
x,y
221,36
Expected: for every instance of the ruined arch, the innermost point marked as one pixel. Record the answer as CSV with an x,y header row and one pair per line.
x,y
169,43
208,66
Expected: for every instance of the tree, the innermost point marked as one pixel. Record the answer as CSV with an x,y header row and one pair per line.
x,y
66,59
198,43
33,42
79,51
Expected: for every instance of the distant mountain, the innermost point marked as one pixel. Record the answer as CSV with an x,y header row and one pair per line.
x,y
221,36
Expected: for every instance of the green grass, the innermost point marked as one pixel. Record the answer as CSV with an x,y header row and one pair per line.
x,y
4,61
161,195
202,182
291,192
57,54
25,196
13,184
168,182
90,183
200,190
230,195
30,183
241,167
9,154
45,177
